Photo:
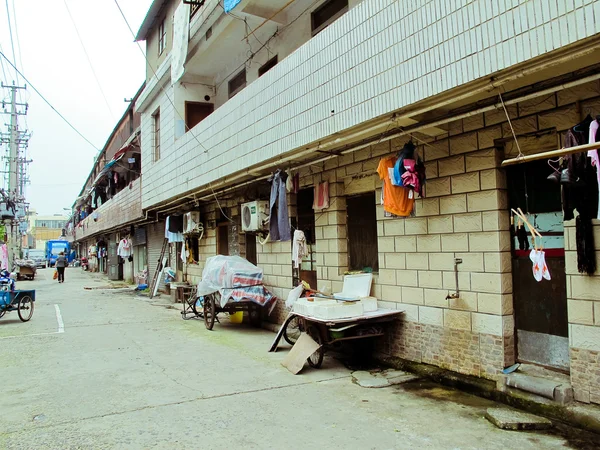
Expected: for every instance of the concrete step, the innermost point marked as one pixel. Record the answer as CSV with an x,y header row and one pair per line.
x,y
556,390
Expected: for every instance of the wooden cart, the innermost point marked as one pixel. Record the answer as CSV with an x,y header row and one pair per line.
x,y
328,332
26,271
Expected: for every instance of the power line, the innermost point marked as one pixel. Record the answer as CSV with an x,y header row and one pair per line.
x,y
48,103
20,53
3,68
89,61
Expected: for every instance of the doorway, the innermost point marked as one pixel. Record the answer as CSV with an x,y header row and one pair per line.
x,y
540,308
306,222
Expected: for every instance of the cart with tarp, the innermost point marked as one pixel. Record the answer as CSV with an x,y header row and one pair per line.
x,y
21,301
231,284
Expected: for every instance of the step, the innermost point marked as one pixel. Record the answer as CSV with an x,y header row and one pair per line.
x,y
556,390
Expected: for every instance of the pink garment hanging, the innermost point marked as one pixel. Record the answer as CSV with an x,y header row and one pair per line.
x,y
321,200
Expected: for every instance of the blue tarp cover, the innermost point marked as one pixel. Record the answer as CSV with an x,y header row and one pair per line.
x,y
230,4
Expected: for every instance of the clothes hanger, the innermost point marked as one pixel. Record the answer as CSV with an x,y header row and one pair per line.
x,y
585,123
534,232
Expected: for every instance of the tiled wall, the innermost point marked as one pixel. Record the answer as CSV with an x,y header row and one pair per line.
x,y
380,57
583,294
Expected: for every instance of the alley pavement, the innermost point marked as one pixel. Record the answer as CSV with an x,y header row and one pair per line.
x,y
106,368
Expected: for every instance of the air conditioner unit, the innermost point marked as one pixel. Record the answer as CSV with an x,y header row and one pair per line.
x,y
254,215
191,222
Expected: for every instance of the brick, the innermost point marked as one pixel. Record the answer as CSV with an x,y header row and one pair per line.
x,y
493,283
498,262
482,160
407,278
463,143
406,244
464,281
467,301
387,276
395,261
427,207
431,316
440,224
580,311
417,261
337,217
430,279
415,226
585,337
437,150
486,324
559,118
585,287
441,261
391,293
521,126
412,295
536,105
459,320
468,182
437,187
492,179
584,91
473,122
530,145
490,241
451,166
457,242
468,222
321,220
487,136
393,227
453,204
471,262
498,115
411,312
341,245
487,201
499,304
429,243
436,297
597,313
431,170
495,220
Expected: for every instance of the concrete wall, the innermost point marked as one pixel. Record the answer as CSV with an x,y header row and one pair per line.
x,y
419,50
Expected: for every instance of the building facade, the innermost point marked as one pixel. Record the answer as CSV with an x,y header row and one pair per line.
x,y
329,92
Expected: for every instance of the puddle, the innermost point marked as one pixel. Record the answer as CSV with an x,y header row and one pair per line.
x,y
434,391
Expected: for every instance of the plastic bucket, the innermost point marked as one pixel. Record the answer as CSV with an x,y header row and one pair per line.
x,y
237,317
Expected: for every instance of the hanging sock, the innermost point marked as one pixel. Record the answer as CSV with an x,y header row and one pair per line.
x,y
542,264
537,271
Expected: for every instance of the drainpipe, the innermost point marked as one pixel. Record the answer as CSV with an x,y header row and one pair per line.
x,y
456,294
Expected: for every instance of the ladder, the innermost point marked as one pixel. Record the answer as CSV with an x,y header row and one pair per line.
x,y
159,269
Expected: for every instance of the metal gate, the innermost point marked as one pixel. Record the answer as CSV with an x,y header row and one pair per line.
x,y
155,235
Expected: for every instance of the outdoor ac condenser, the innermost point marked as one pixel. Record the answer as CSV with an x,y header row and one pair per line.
x,y
191,222
254,215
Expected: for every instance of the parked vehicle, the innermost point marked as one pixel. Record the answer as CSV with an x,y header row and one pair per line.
x,y
38,256
54,247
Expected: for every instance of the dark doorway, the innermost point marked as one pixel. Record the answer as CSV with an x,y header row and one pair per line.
x,y
540,308
362,232
196,112
306,222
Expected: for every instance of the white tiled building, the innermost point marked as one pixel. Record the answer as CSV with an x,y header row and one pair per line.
x,y
326,89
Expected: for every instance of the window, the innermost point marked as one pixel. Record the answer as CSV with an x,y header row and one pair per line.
x,y
362,232
195,7
326,14
237,83
162,37
196,112
267,66
156,120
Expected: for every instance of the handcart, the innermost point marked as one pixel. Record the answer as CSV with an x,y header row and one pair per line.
x,y
22,301
329,332
231,284
25,270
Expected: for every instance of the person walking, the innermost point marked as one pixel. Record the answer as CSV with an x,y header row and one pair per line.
x,y
61,264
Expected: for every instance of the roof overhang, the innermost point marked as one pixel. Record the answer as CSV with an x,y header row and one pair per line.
x,y
150,19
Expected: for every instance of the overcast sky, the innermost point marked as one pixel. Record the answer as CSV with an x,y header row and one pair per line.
x,y
54,61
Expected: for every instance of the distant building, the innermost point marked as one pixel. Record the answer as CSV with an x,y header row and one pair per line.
x,y
43,228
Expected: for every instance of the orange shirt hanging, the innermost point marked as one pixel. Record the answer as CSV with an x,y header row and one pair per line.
x,y
395,198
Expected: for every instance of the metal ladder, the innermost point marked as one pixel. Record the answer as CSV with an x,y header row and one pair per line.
x,y
159,268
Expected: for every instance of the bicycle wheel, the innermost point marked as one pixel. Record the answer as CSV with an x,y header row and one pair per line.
x,y
293,330
209,311
25,308
197,305
316,359
2,313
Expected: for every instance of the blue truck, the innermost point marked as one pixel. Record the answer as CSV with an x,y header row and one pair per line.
x,y
54,247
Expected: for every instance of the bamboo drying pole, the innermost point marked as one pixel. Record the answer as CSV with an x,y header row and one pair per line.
x,y
551,154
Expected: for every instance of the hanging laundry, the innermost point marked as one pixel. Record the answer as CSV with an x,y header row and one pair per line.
x,y
395,198
124,249
299,249
172,237
593,154
539,266
279,221
522,237
4,256
321,196
584,238
176,224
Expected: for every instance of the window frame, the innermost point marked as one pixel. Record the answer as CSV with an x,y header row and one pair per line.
x,y
162,37
268,66
330,20
369,198
236,90
156,137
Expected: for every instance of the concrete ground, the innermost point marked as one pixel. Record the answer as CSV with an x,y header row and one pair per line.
x,y
128,373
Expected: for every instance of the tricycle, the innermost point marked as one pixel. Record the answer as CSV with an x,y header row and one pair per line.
x,y
21,301
25,269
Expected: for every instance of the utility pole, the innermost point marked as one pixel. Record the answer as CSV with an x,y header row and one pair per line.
x,y
15,194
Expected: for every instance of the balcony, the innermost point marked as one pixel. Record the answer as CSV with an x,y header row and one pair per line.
x,y
377,59
125,207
